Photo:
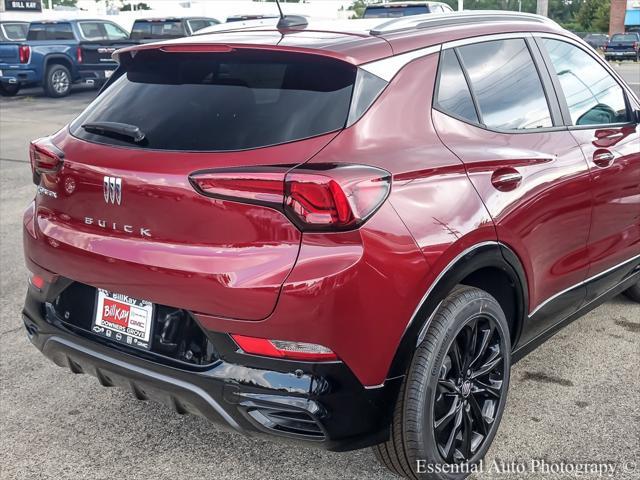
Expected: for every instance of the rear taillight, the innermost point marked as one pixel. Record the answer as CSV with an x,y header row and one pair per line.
x,y
79,54
317,197
45,157
308,352
24,53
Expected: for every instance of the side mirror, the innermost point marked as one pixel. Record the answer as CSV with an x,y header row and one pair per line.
x,y
636,117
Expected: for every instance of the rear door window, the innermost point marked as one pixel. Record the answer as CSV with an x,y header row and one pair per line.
x,y
223,101
592,95
50,31
158,29
506,85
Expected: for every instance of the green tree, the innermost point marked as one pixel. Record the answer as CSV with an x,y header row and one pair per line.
x,y
601,19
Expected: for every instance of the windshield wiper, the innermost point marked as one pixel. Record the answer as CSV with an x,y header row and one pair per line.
x,y
127,130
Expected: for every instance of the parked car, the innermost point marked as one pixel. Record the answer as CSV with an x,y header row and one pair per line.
x,y
343,239
404,9
11,34
623,46
147,30
597,40
57,54
244,18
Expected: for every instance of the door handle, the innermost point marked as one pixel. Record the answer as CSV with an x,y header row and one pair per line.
x,y
506,179
603,158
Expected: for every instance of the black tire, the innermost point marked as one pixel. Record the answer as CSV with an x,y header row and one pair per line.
x,y
9,89
634,293
428,386
57,81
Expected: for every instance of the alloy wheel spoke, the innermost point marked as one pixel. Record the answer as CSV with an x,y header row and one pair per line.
x,y
447,449
448,417
467,434
456,357
487,333
478,417
471,339
492,390
447,386
487,367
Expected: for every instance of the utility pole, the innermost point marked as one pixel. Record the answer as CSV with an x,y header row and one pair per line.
x,y
543,8
460,5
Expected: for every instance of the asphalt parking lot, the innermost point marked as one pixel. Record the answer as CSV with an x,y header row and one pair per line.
x,y
575,399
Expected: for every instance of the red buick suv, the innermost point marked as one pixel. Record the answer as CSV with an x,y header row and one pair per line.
x,y
338,236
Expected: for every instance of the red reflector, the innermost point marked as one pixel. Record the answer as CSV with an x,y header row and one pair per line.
x,y
24,53
37,281
45,156
308,352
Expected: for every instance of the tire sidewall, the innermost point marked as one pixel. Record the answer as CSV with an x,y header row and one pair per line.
x,y
488,306
49,83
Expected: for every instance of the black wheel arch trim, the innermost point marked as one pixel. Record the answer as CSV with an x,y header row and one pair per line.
x,y
490,254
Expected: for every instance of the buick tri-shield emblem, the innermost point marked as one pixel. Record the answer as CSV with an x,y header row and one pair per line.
x,y
112,189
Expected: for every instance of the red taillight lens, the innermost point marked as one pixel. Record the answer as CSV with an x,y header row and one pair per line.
x,y
24,53
334,197
264,185
317,197
308,352
79,54
45,157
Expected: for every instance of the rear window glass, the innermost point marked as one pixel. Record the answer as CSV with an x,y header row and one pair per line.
x,y
159,29
628,37
50,31
97,31
395,12
223,101
15,31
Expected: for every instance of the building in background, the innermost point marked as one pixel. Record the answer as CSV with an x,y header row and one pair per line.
x,y
20,5
625,16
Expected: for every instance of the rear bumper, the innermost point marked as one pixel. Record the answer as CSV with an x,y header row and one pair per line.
x,y
322,404
612,55
97,73
15,75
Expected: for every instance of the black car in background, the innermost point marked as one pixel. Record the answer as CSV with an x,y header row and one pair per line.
x,y
151,29
597,40
13,31
623,46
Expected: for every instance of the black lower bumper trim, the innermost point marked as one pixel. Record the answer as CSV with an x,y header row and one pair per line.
x,y
145,384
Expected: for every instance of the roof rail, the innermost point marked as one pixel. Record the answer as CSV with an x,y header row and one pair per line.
x,y
427,20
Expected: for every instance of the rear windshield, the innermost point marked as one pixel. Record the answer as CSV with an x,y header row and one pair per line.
x,y
158,29
629,37
223,101
50,31
15,31
394,12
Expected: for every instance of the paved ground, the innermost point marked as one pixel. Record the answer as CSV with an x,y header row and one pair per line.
x,y
575,399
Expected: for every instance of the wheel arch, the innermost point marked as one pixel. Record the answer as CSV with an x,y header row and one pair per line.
x,y
491,266
58,59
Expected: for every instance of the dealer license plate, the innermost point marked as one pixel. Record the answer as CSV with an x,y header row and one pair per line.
x,y
123,319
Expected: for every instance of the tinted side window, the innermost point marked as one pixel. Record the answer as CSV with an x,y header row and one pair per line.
x,y
114,33
453,96
506,84
93,31
50,31
593,96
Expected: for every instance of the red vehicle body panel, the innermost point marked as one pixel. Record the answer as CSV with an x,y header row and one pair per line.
x,y
247,270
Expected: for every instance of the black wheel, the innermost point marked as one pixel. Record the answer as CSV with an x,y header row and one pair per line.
x,y
454,393
9,90
57,81
634,293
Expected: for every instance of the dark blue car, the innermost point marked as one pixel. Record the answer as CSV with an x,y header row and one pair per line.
x,y
57,54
